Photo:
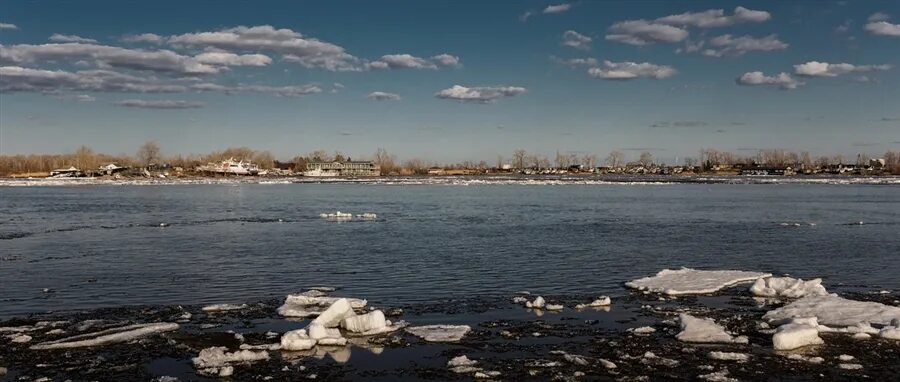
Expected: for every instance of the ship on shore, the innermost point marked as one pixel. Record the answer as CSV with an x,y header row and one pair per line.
x,y
231,167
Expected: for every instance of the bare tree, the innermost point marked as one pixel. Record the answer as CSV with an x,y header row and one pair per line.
x,y
589,160
148,153
615,158
385,161
646,159
519,159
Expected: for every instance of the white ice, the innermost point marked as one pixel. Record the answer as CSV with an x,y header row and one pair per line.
x,y
834,311
705,330
222,308
798,333
463,365
19,338
440,333
729,356
850,366
538,303
643,330
325,336
296,340
109,336
218,361
336,312
601,301
692,281
364,322
312,303
787,287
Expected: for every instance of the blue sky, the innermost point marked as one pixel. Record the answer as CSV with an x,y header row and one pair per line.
x,y
474,79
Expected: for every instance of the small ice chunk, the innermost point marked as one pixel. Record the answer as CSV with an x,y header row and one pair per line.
x,y
461,361
440,333
337,312
487,374
801,357
364,322
223,308
520,300
834,311
297,340
729,356
575,359
538,303
890,332
692,281
862,336
798,333
109,336
718,376
845,357
554,307
260,347
787,287
607,364
218,361
850,366
601,301
312,304
643,330
19,338
705,330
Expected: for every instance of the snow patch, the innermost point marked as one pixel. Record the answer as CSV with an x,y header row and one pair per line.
x,y
692,281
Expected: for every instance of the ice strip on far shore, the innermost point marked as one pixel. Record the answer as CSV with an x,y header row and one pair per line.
x,y
109,336
705,330
692,281
440,333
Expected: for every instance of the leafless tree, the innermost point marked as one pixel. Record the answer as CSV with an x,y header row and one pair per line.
x,y
148,153
385,161
615,158
646,159
519,158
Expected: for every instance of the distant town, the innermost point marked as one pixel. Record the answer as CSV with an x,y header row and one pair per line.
x,y
149,162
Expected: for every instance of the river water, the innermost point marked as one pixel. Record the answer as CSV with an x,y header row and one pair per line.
x,y
82,247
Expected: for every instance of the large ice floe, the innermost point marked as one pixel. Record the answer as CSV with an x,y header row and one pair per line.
x,y
787,287
439,333
797,333
705,330
834,314
312,303
692,281
108,336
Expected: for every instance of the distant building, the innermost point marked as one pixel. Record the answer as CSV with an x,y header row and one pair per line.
x,y
346,168
66,172
112,168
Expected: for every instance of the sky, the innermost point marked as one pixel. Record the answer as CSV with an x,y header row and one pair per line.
x,y
451,80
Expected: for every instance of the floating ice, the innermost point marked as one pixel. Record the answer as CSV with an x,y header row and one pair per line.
x,y
337,312
801,357
728,356
337,215
845,357
108,336
440,333
607,364
487,374
575,359
718,376
538,303
787,287
705,330
463,365
222,308
798,333
692,281
367,216
555,307
834,311
601,301
890,332
643,330
365,322
312,304
295,340
218,361
850,366
19,338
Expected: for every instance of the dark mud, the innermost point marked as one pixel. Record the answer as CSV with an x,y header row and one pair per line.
x,y
518,343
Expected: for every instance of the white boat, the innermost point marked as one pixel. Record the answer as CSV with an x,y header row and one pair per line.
x,y
232,167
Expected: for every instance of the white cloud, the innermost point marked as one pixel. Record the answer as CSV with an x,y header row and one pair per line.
x,y
559,8
631,70
824,69
576,40
643,32
56,37
714,18
8,26
883,28
232,59
19,79
479,94
447,60
727,45
84,98
106,56
402,61
783,81
383,96
878,16
524,17
293,46
576,62
158,104
144,37
279,91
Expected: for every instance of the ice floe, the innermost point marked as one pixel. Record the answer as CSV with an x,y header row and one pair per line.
x,y
835,312
463,365
18,338
705,330
337,215
222,308
296,340
336,312
602,301
729,356
312,303
798,333
538,303
108,336
787,287
692,281
218,361
643,330
440,333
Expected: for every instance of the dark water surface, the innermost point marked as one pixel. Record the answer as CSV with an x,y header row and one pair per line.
x,y
100,246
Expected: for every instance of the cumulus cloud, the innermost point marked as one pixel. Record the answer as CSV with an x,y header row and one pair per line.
x,y
824,69
19,79
576,62
144,37
447,60
383,96
576,40
402,61
631,70
8,26
279,91
479,94
106,56
56,37
293,46
559,8
727,45
883,28
673,28
232,59
158,104
84,98
878,16
783,81
643,32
